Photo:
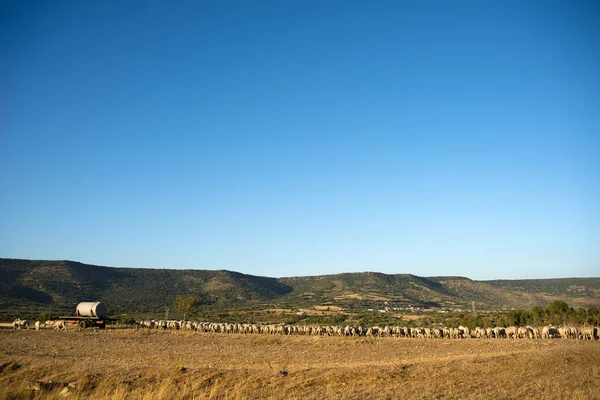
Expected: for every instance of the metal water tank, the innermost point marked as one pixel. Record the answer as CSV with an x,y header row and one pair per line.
x,y
91,309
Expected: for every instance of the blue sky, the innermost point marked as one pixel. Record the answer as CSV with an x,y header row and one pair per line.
x,y
288,138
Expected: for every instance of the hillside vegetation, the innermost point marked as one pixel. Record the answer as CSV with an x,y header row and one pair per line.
x,y
30,287
59,285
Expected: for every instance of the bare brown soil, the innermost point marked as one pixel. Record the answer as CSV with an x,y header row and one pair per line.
x,y
161,364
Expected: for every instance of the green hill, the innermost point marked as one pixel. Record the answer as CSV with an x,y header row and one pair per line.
x,y
29,287
371,289
60,285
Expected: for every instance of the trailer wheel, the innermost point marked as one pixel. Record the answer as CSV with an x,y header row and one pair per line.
x,y
82,324
102,325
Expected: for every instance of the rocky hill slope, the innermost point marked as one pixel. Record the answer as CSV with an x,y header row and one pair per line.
x,y
27,285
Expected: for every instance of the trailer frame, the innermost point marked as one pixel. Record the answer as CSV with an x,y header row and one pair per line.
x,y
88,322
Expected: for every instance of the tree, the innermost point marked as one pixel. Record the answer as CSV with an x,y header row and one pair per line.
x,y
581,316
188,304
558,308
47,315
593,316
538,315
558,312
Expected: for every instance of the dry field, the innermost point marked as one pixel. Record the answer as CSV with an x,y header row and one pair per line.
x,y
120,364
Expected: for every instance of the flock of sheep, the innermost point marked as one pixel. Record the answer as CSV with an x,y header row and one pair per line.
x,y
520,332
546,332
25,324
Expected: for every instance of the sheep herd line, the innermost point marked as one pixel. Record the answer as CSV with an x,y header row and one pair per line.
x,y
546,332
26,324
514,332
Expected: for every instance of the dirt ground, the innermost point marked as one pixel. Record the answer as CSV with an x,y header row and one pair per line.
x,y
149,365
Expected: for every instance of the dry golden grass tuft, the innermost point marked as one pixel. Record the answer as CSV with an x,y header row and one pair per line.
x,y
129,364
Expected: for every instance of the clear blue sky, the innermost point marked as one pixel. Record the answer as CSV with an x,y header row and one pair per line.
x,y
290,138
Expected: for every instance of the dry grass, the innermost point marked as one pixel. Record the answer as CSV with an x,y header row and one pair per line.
x,y
128,364
409,317
329,308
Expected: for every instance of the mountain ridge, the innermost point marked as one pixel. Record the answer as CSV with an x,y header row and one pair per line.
x,y
38,285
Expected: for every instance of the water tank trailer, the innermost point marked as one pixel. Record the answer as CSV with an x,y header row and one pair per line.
x,y
88,314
